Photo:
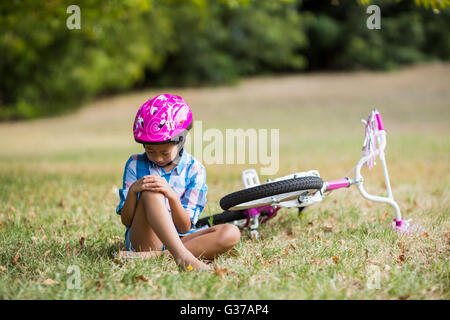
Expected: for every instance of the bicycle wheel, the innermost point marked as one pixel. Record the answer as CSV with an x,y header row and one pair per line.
x,y
267,190
224,217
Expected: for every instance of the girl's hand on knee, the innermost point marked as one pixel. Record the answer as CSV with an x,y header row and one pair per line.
x,y
153,183
142,184
159,184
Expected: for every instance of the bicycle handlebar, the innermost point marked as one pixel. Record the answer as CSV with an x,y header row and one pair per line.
x,y
337,184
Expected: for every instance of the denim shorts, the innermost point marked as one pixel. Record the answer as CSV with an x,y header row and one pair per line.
x,y
128,244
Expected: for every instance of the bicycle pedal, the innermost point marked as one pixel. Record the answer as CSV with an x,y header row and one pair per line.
x,y
300,211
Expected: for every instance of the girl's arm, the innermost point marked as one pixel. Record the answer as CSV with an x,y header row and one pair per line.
x,y
179,215
129,208
127,204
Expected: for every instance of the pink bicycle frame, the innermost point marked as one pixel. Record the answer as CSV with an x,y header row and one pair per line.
x,y
346,182
253,212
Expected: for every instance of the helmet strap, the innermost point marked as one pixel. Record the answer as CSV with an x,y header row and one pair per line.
x,y
177,157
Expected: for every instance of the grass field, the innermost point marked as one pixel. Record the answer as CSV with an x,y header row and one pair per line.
x,y
59,178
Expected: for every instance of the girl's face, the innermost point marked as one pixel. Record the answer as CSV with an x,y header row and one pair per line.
x,y
161,154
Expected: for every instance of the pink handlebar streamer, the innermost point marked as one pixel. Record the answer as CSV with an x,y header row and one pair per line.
x,y
380,122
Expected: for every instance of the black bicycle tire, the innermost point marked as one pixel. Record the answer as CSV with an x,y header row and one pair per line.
x,y
270,189
220,218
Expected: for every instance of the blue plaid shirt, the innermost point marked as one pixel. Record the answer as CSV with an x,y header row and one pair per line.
x,y
187,179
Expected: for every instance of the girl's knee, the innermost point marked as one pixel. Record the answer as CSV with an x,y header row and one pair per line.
x,y
229,235
148,193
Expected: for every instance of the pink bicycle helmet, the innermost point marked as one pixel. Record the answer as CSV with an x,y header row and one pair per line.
x,y
162,119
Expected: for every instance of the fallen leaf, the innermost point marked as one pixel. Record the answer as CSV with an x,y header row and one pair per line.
x,y
220,271
141,278
2,268
266,264
99,285
233,253
62,203
16,258
49,281
102,274
290,233
404,297
335,259
328,228
81,241
425,234
35,239
147,281
120,263
46,253
385,215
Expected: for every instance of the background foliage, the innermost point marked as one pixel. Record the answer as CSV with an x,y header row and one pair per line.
x,y
47,69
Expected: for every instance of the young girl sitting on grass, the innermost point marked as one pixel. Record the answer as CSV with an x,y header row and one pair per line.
x,y
164,190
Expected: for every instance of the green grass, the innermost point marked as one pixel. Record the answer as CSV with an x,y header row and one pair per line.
x,y
58,181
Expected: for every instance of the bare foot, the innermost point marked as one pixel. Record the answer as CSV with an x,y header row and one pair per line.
x,y
187,263
191,263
